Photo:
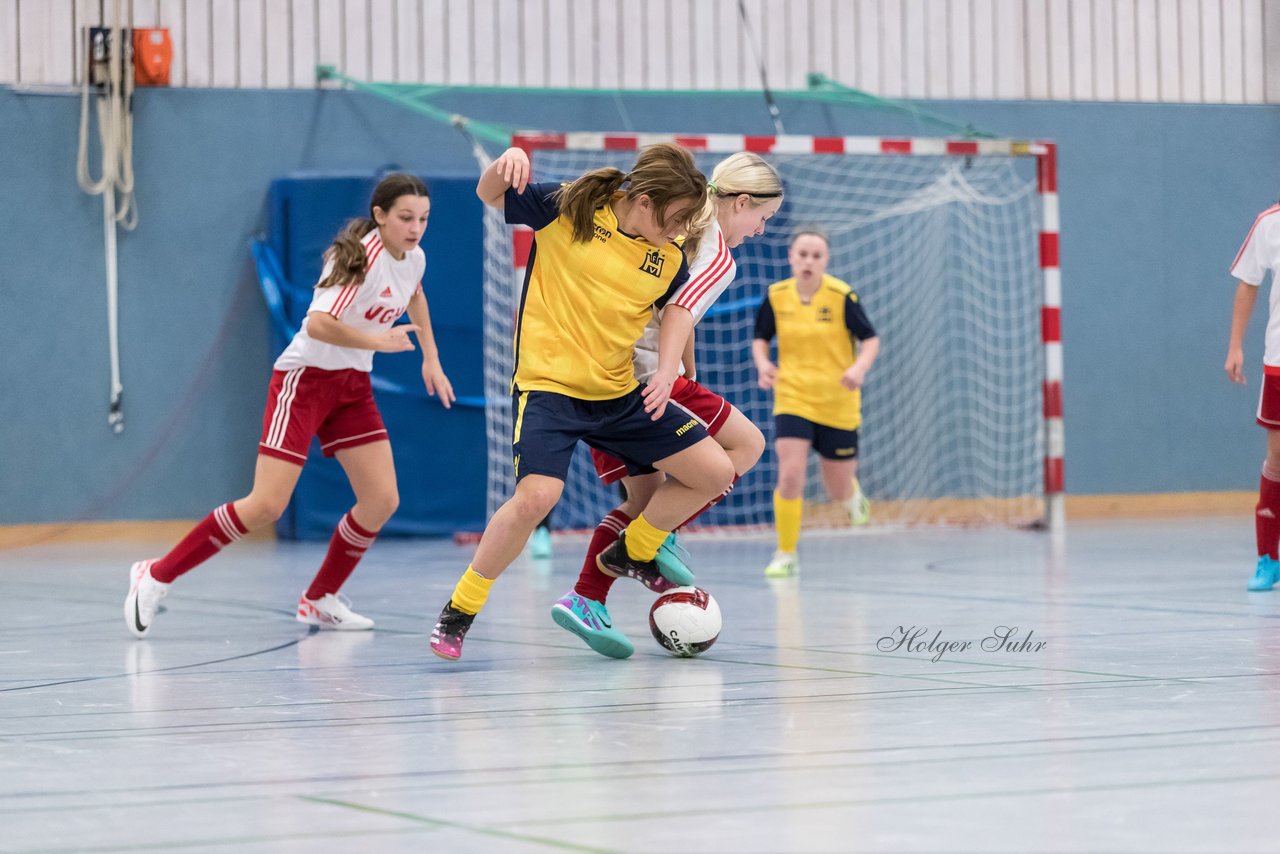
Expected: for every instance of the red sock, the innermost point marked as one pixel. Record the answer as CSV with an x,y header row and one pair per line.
x,y
1267,516
710,504
220,528
592,583
346,547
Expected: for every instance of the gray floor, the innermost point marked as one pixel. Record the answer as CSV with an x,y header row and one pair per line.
x,y
1149,720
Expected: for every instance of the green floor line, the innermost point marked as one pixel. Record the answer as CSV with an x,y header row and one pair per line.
x,y
487,831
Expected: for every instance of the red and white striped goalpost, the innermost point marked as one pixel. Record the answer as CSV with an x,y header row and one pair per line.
x,y
1046,156
1051,336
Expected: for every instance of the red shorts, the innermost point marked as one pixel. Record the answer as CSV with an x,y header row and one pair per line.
x,y
1269,400
337,406
710,409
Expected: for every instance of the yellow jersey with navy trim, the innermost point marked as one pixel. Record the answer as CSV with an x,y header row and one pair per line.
x,y
817,343
584,305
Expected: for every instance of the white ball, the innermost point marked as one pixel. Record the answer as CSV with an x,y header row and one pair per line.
x,y
685,621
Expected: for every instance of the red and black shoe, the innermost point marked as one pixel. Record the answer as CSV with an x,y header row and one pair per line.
x,y
616,562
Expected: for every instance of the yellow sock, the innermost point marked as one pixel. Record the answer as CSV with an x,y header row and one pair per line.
x,y
787,513
472,592
643,539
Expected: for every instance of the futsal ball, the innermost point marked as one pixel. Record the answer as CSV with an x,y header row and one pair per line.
x,y
685,621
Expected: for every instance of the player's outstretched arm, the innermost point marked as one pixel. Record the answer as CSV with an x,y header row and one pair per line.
x,y
433,376
689,359
675,330
326,328
511,169
1241,311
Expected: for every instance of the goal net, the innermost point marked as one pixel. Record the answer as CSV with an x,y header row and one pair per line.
x,y
950,246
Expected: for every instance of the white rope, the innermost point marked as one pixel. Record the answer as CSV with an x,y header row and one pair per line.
x,y
482,157
115,137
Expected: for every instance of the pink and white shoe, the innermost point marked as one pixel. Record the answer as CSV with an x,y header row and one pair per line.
x,y
451,628
331,611
143,601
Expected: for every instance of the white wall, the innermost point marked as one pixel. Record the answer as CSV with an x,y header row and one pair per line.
x,y
1199,51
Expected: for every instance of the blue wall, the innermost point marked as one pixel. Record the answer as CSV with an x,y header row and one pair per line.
x,y
1155,200
304,212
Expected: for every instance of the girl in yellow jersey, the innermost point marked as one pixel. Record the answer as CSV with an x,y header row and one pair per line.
x,y
743,194
603,257
826,346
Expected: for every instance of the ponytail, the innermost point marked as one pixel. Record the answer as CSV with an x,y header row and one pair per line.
x,y
699,224
664,172
580,200
347,251
347,254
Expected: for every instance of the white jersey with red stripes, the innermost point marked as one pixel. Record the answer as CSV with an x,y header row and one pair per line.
x,y
1260,253
369,307
709,274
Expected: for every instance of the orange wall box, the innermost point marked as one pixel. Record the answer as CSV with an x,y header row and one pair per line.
x,y
152,56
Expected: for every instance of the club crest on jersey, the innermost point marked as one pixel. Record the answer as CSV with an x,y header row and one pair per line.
x,y
652,263
824,314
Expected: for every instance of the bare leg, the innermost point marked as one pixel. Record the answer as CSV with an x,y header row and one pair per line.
x,y
742,441
372,472
793,459
694,476
837,476
273,483
513,523
640,491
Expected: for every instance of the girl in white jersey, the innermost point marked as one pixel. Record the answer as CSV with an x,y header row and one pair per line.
x,y
744,192
1260,254
320,387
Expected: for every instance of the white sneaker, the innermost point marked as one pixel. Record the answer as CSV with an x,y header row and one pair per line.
x,y
144,597
331,612
859,509
783,565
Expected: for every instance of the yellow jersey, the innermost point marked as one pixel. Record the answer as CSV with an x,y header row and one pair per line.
x,y
817,343
584,305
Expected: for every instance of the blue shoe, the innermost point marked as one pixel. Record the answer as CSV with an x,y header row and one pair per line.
x,y
589,620
540,544
1266,575
671,562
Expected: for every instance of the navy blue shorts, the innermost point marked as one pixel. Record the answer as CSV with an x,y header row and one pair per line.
x,y
829,442
548,426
